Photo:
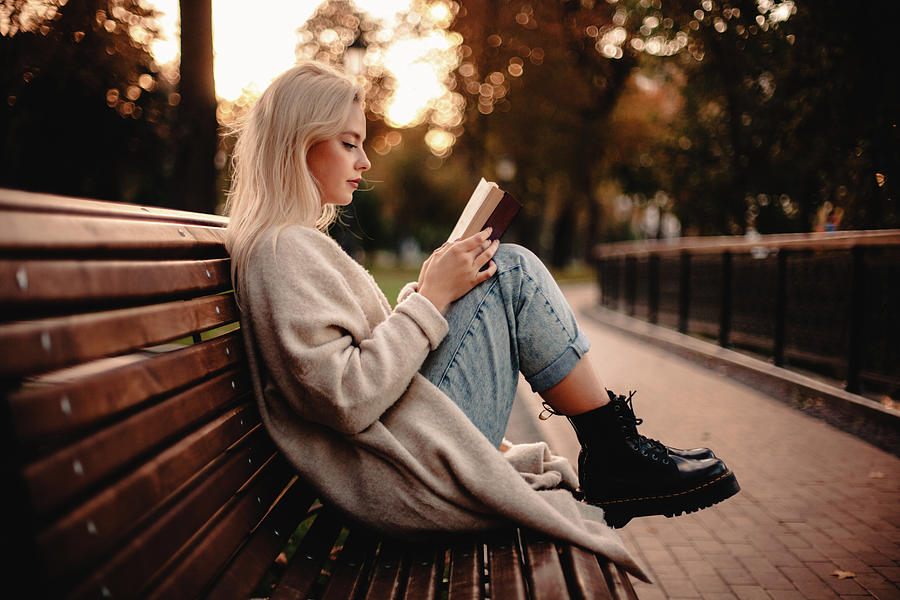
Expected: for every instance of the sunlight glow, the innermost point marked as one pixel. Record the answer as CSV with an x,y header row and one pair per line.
x,y
249,52
248,55
419,66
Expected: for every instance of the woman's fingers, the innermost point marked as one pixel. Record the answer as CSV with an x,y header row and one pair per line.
x,y
486,254
472,242
486,274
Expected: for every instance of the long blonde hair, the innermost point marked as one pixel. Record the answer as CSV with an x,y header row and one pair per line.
x,y
271,185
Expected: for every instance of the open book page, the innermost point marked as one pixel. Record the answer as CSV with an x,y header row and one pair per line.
x,y
476,202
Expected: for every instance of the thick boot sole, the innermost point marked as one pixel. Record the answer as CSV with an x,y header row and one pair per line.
x,y
620,511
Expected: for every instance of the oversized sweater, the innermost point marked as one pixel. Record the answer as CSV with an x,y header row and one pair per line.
x,y
335,373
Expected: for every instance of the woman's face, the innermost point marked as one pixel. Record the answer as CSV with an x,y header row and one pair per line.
x,y
338,163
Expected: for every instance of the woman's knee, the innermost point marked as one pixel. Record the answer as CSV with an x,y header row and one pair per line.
x,y
511,256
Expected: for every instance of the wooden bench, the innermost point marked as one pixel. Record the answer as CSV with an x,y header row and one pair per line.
x,y
135,464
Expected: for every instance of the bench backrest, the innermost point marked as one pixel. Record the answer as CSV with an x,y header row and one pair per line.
x,y
134,454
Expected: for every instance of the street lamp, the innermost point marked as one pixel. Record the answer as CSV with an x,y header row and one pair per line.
x,y
353,57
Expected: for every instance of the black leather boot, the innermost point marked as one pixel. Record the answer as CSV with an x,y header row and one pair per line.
x,y
630,475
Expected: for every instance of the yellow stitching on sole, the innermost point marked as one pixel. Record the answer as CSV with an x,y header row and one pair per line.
x,y
700,487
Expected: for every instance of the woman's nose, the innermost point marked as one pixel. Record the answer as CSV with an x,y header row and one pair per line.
x,y
363,163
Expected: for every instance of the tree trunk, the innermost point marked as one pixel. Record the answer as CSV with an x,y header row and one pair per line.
x,y
196,136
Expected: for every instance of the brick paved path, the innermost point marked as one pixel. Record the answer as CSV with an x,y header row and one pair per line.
x,y
814,500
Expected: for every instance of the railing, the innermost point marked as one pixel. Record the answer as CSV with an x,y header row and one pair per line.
x,y
827,302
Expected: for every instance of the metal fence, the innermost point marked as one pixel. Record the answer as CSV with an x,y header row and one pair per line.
x,y
826,302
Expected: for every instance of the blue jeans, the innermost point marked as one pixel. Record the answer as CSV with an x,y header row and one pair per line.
x,y
516,321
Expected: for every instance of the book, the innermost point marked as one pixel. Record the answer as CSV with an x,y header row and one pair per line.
x,y
489,206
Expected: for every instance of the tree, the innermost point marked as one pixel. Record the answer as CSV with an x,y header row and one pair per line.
x,y
85,112
542,79
786,117
196,133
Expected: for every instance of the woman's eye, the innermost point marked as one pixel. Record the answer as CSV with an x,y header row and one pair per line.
x,y
350,146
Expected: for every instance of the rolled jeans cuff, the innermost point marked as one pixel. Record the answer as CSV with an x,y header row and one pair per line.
x,y
561,366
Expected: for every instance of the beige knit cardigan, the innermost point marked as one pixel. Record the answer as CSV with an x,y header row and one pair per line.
x,y
335,373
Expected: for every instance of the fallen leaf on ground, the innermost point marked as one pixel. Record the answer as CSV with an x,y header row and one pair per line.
x,y
876,475
844,574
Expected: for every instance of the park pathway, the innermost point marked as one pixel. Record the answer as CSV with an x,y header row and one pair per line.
x,y
819,511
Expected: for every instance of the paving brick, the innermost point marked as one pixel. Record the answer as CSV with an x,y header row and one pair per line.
x,y
890,573
783,559
793,541
809,584
750,592
736,576
772,580
685,553
718,596
648,591
854,564
756,564
786,595
709,547
740,550
710,583
814,554
724,561
876,559
679,588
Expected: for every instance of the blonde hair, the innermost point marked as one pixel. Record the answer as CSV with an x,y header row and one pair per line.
x,y
272,185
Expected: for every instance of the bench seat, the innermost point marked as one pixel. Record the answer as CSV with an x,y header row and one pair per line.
x,y
134,455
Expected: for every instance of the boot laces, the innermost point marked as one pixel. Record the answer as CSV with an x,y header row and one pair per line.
x,y
630,422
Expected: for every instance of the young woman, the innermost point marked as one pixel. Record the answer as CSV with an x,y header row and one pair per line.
x,y
397,415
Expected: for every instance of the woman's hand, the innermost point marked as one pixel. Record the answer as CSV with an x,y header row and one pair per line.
x,y
455,268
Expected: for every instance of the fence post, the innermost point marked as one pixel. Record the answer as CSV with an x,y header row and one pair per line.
x,y
601,279
684,299
630,284
857,318
653,291
780,307
725,307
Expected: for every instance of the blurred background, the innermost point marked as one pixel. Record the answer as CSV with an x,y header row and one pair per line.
x,y
610,120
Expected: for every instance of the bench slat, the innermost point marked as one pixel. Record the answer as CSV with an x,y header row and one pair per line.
x,y
586,579
162,542
215,543
426,569
545,573
93,527
26,282
25,233
309,558
248,567
617,582
465,571
505,568
19,201
352,565
56,409
386,573
30,347
58,477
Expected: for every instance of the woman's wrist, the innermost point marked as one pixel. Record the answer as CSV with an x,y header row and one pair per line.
x,y
438,302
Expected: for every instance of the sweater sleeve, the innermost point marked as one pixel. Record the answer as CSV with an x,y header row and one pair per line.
x,y
317,340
